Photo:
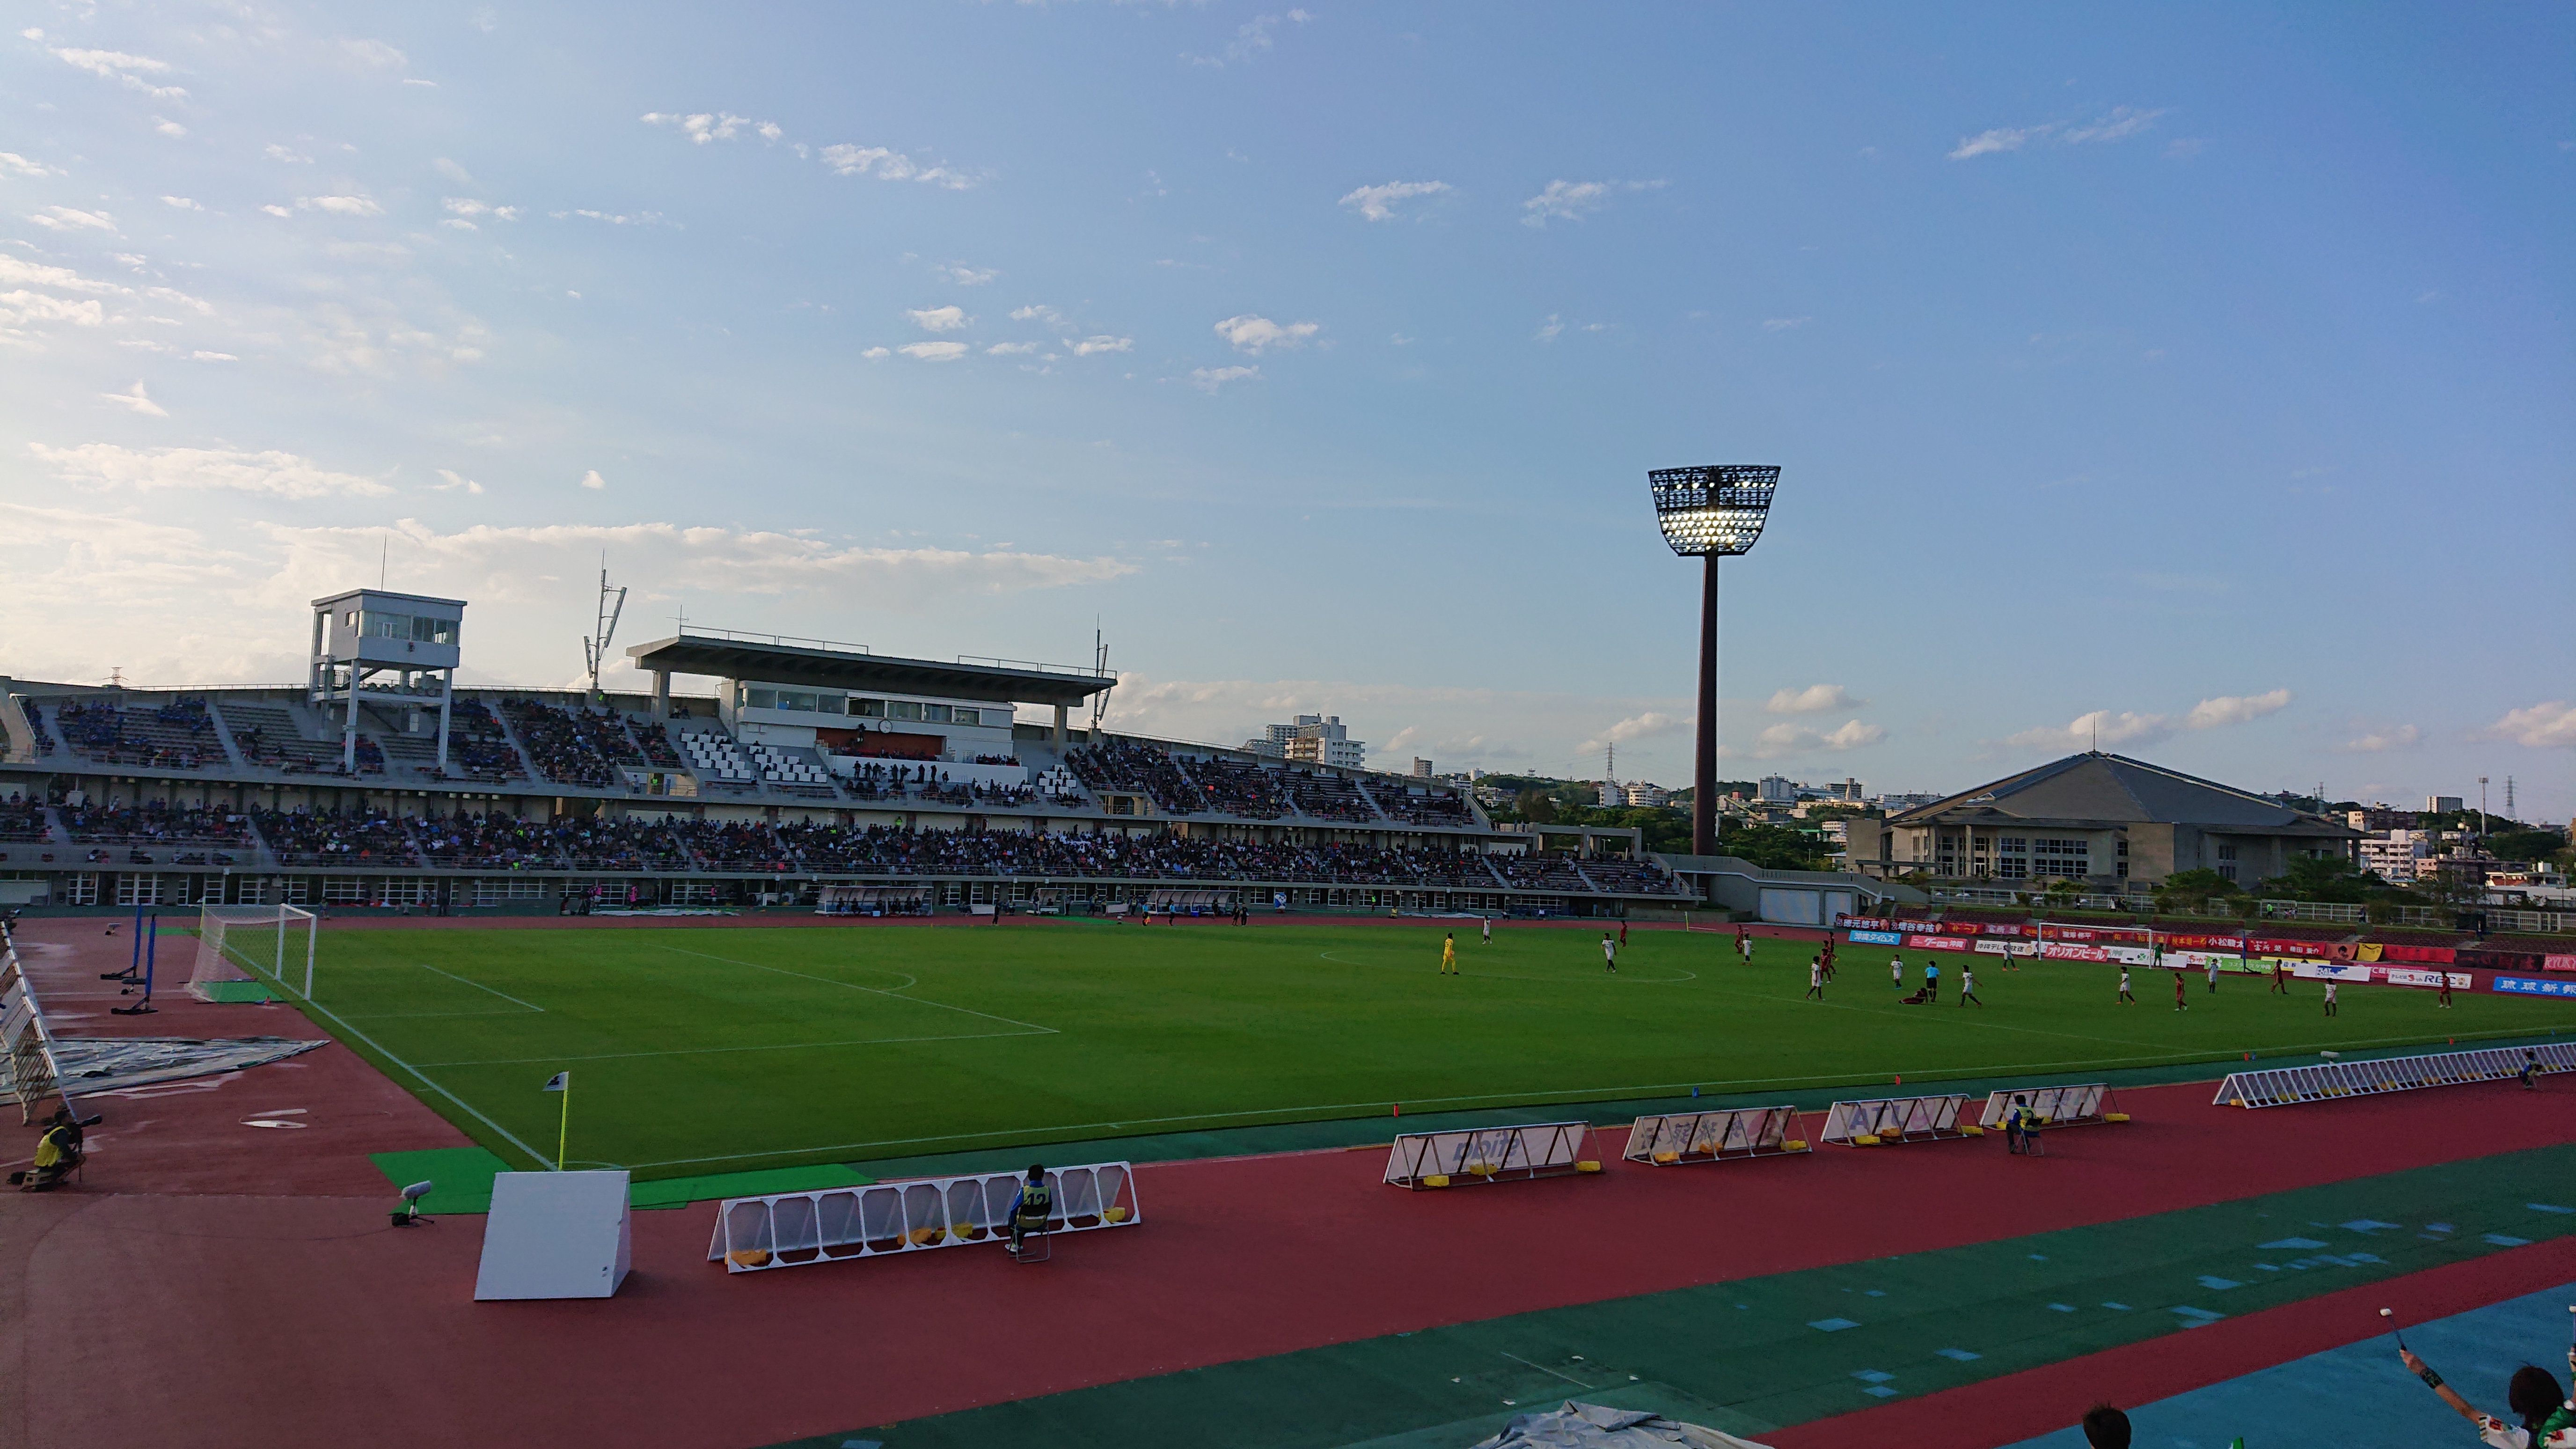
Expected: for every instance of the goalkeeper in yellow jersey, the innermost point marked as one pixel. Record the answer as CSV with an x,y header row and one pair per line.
x,y
1449,955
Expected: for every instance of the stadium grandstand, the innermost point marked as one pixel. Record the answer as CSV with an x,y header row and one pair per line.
x,y
814,773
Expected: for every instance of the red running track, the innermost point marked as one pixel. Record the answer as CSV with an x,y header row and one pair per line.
x,y
282,1321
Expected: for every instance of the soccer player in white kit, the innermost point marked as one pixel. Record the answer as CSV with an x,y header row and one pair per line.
x,y
1609,953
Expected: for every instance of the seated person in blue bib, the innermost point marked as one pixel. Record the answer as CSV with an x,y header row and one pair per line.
x,y
1031,1205
2019,1123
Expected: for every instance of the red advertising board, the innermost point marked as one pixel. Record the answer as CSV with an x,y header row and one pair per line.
x,y
1937,943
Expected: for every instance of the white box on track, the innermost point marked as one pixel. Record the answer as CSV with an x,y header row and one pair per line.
x,y
555,1235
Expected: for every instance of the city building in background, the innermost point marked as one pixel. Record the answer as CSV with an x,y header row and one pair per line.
x,y
1314,739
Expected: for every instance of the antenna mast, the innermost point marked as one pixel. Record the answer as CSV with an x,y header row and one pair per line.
x,y
594,648
1100,669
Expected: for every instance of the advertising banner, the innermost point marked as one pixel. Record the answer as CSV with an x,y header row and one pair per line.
x,y
1937,943
2067,951
2528,986
2555,962
1874,938
2424,955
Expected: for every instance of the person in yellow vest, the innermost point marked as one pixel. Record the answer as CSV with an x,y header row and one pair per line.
x,y
1030,1206
58,1153
1449,955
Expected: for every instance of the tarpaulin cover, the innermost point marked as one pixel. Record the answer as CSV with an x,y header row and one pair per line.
x,y
108,1064
1591,1426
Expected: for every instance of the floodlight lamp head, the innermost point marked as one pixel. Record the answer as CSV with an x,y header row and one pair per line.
x,y
1716,508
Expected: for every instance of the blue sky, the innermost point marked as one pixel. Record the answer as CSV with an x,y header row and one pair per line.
x,y
2205,367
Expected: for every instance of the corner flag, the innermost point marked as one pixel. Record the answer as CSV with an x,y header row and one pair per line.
x,y
562,1082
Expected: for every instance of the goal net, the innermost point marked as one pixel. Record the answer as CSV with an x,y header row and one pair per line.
x,y
242,950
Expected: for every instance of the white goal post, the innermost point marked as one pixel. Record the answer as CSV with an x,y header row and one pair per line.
x,y
231,938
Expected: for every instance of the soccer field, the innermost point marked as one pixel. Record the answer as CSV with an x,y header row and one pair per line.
x,y
698,1051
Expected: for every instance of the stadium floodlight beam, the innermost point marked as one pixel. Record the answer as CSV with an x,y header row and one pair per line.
x,y
1712,511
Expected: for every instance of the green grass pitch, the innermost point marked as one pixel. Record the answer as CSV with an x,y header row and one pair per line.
x,y
697,1051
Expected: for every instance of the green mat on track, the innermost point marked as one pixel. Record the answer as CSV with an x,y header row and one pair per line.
x,y
464,1177
246,993
463,1174
1754,1354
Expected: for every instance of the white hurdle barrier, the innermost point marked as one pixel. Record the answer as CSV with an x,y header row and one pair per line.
x,y
1869,1122
2290,1086
1678,1137
1419,1160
2075,1106
833,1224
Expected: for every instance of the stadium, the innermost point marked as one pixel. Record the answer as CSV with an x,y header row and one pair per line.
x,y
1449,987
806,967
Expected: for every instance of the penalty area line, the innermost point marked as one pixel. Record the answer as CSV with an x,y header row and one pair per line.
x,y
797,1046
426,1080
477,985
871,990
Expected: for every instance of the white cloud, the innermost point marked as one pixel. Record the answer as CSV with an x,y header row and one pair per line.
x,y
452,171
130,70
277,211
1814,699
592,481
2234,709
518,566
1988,143
2098,727
467,206
938,319
1250,39
934,351
2541,726
1783,324
1092,345
2121,123
1644,726
1035,313
1010,349
138,400
1209,379
340,205
1549,329
707,126
64,218
1574,200
276,152
2372,742
62,279
877,352
13,164
889,165
204,356
282,475
1255,335
1378,203
1789,739
19,307
456,481
169,128
374,53
2103,727
182,203
966,276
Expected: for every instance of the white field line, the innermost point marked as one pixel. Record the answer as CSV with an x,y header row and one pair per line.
x,y
479,986
800,1046
871,990
346,1025
1609,978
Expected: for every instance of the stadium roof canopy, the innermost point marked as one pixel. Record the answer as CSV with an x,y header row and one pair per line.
x,y
771,661
2109,789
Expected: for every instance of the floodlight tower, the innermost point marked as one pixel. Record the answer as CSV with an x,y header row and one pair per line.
x,y
1710,512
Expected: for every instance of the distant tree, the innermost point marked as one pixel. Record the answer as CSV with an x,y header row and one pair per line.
x,y
1536,807
2191,889
2525,844
2324,878
1774,847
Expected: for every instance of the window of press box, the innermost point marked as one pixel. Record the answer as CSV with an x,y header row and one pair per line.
x,y
962,715
867,708
935,713
902,709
